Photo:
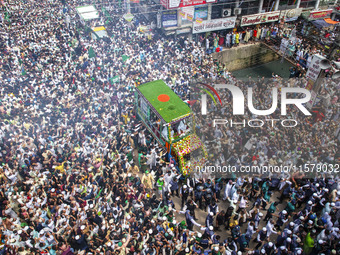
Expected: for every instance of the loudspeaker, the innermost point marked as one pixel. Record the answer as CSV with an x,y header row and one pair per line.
x,y
324,63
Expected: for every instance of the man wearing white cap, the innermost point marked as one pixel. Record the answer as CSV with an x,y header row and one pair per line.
x,y
269,248
270,228
283,218
261,237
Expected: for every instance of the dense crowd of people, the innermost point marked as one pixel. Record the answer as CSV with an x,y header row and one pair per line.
x,y
79,174
294,41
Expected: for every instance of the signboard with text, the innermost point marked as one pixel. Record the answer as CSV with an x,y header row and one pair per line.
x,y
169,18
290,15
314,68
319,14
170,4
212,25
260,18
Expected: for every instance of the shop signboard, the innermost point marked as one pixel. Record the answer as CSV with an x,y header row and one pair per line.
x,y
201,13
319,14
169,18
170,4
290,15
212,25
183,31
260,18
187,13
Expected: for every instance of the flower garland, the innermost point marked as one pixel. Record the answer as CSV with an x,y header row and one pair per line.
x,y
187,145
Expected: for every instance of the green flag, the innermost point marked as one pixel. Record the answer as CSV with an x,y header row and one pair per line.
x,y
98,194
124,58
23,72
91,53
114,79
6,16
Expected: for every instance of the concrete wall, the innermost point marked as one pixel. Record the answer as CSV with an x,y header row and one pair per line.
x,y
245,56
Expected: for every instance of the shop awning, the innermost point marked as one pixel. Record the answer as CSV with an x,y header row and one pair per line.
x,y
330,21
320,23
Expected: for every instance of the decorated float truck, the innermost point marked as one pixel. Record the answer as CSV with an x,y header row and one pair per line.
x,y
171,122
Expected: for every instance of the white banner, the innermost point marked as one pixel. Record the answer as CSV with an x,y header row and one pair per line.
x,y
291,15
188,12
212,25
314,68
260,18
311,102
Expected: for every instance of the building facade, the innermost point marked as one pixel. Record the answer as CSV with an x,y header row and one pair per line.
x,y
190,17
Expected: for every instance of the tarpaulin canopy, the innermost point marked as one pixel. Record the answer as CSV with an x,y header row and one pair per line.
x,y
320,23
99,32
87,12
332,22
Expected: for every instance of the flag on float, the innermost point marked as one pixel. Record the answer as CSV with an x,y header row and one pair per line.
x,y
114,80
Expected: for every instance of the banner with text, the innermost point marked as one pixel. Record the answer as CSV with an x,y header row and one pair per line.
x,y
170,4
212,25
260,18
314,68
290,15
169,18
319,14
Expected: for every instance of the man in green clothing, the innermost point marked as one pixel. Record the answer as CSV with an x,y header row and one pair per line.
x,y
270,211
290,208
308,244
160,185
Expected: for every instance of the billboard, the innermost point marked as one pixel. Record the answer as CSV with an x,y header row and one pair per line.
x,y
170,4
169,18
291,15
212,25
319,14
260,18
